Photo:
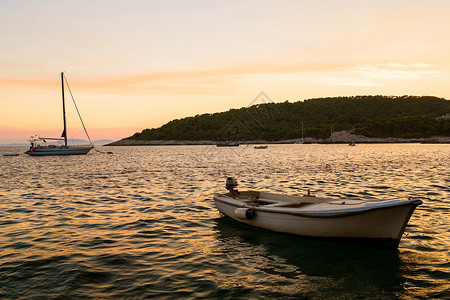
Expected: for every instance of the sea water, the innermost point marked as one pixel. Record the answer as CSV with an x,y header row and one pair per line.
x,y
141,223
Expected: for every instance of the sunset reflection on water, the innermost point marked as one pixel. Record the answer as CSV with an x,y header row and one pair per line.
x,y
141,222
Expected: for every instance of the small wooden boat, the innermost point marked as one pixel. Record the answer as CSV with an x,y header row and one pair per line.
x,y
376,222
261,147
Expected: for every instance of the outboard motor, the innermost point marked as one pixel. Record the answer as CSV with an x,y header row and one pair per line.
x,y
231,184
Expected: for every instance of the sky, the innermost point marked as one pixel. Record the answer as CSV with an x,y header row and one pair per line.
x,y
134,64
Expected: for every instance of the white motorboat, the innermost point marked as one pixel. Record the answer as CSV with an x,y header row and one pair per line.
x,y
376,222
39,149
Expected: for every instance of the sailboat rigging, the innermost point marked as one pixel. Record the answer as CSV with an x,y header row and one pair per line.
x,y
36,149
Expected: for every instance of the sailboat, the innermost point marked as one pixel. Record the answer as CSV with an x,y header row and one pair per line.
x,y
37,149
302,141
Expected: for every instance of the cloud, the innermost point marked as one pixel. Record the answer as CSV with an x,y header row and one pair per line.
x,y
396,71
379,74
218,78
226,79
336,81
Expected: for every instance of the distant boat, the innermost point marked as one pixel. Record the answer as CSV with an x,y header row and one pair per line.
x,y
228,145
260,147
374,222
302,141
37,149
11,154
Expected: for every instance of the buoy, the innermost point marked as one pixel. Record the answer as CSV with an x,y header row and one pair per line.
x,y
244,213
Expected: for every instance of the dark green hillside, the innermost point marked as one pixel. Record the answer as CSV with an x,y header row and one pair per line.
x,y
374,116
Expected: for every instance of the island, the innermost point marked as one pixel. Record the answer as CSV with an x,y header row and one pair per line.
x,y
361,119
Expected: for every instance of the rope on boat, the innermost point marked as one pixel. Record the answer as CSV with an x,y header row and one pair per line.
x,y
103,152
73,99
81,119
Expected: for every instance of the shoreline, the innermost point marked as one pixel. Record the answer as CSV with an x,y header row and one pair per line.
x,y
341,137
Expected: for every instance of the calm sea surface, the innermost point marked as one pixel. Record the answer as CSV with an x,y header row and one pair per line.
x,y
141,223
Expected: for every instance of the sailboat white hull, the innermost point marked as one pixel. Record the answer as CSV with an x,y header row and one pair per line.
x,y
59,151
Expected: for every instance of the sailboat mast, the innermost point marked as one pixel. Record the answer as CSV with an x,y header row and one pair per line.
x,y
64,110
302,131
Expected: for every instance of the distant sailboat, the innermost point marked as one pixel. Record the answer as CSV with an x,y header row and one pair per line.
x,y
36,149
302,141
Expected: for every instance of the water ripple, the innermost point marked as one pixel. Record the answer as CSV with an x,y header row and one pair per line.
x,y
141,223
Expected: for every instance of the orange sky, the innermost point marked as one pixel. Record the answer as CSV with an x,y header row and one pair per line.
x,y
133,64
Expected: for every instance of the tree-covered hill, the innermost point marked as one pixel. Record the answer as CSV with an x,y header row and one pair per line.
x,y
372,116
